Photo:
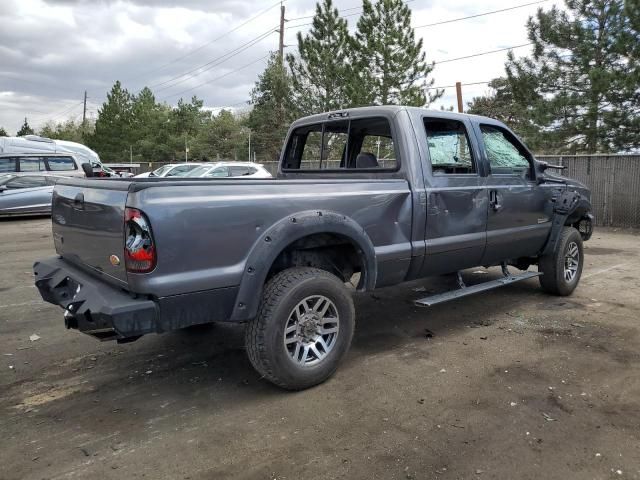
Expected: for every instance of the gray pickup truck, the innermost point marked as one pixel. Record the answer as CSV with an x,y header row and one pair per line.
x,y
365,197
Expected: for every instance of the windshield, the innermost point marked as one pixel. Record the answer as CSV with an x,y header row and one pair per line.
x,y
160,171
4,178
197,172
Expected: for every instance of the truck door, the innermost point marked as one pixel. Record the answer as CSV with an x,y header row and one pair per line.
x,y
456,196
517,224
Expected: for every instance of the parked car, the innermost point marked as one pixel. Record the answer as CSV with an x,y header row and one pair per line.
x,y
230,169
34,144
26,194
170,170
372,196
62,164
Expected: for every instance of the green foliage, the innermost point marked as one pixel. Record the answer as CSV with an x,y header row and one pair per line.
x,y
321,67
3,132
273,109
67,130
582,79
513,110
25,129
113,136
389,64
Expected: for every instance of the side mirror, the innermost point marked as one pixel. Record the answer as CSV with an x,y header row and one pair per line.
x,y
88,170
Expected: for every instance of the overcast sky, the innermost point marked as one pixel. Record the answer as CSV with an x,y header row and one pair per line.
x,y
51,51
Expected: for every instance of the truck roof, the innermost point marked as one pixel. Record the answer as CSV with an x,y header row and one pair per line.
x,y
384,110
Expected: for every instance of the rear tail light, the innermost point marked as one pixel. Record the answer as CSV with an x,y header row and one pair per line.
x,y
139,250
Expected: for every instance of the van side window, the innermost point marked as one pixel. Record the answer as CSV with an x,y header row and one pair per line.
x,y
449,147
8,165
32,164
349,145
506,155
59,164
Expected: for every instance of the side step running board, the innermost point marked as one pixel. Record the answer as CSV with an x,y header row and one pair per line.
x,y
463,291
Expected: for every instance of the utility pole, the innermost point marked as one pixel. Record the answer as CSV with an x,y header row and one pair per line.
x,y
130,153
459,95
249,144
281,44
186,149
84,113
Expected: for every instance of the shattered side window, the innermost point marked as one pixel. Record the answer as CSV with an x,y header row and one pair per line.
x,y
449,148
504,155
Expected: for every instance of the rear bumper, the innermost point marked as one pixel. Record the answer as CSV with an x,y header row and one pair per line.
x,y
108,313
91,305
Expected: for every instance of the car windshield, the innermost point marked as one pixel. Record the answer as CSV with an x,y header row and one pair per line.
x,y
197,172
5,178
160,171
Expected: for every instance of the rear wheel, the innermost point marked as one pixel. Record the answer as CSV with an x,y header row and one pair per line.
x,y
562,268
304,327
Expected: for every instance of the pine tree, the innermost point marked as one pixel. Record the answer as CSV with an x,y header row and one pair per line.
x,y
321,68
3,132
583,76
273,109
112,137
389,64
505,105
25,129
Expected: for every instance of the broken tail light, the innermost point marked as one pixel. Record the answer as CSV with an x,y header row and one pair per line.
x,y
139,249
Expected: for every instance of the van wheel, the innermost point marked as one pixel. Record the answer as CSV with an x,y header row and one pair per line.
x,y
304,327
562,268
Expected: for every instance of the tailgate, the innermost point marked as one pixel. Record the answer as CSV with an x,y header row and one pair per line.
x,y
88,224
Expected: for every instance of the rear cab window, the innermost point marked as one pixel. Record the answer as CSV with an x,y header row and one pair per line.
x,y
32,164
61,164
345,145
8,165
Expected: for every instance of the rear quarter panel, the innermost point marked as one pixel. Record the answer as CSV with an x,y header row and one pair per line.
x,y
204,231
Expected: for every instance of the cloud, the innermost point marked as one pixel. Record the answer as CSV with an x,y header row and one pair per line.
x,y
51,51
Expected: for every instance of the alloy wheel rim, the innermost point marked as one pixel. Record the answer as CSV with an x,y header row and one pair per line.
x,y
571,262
312,330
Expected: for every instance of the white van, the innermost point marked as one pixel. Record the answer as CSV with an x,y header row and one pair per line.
x,y
30,144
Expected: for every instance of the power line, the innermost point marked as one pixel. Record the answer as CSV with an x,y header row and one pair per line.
x,y
436,23
341,16
212,63
188,54
480,14
463,84
215,79
438,62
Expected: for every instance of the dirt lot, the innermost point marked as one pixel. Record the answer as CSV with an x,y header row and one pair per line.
x,y
509,384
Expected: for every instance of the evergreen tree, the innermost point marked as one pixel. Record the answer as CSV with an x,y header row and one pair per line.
x,y
67,130
583,76
3,132
389,64
112,138
25,129
504,105
321,69
273,109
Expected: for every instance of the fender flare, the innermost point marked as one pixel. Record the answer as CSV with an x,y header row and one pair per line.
x,y
282,234
568,207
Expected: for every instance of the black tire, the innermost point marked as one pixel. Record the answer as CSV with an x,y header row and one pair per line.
x,y
554,279
265,334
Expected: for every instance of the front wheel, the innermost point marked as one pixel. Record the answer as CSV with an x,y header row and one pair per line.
x,y
562,268
304,327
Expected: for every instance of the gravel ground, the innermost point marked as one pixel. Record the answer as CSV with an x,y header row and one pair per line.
x,y
507,384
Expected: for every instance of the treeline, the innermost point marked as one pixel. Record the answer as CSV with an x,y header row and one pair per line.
x,y
578,92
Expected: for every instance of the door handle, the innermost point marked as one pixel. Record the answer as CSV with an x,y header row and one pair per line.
x,y
494,200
